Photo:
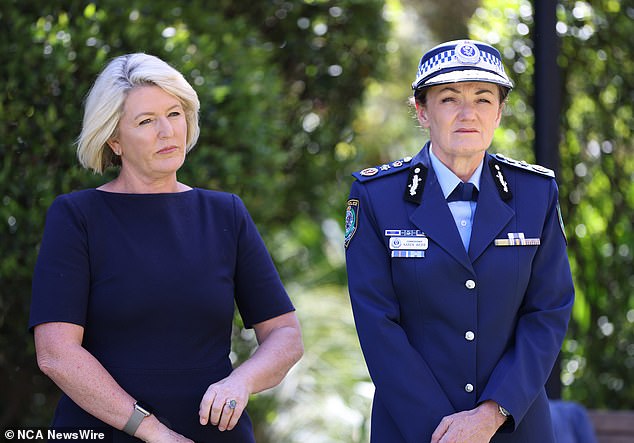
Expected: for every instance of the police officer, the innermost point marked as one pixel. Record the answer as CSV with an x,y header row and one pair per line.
x,y
457,269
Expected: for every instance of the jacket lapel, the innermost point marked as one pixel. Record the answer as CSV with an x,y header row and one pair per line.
x,y
434,218
492,215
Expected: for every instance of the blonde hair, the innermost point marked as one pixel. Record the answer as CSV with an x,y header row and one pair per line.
x,y
104,104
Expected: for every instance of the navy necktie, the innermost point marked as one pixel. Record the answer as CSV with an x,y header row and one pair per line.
x,y
463,192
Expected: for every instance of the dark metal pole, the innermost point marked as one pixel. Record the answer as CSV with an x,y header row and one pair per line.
x,y
547,114
547,85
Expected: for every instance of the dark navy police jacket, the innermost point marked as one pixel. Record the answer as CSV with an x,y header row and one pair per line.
x,y
443,329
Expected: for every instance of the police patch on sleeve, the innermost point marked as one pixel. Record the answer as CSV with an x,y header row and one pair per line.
x,y
352,220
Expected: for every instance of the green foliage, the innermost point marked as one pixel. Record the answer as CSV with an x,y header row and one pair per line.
x,y
599,75
596,186
278,81
329,391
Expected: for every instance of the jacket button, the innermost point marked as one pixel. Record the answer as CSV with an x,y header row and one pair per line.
x,y
468,387
470,284
469,335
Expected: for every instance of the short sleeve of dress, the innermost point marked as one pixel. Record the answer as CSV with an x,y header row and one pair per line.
x,y
260,294
61,279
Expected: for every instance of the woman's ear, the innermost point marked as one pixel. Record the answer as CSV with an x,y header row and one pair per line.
x,y
113,143
498,119
421,114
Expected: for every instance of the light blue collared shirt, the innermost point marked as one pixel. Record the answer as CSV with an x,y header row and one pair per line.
x,y
462,211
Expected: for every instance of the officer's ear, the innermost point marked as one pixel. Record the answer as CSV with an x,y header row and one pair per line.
x,y
498,118
422,114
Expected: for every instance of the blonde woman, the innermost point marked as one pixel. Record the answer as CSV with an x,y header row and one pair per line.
x,y
136,280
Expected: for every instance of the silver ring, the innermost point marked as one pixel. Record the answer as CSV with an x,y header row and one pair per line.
x,y
231,403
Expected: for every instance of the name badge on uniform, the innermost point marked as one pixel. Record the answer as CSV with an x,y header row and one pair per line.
x,y
517,239
407,243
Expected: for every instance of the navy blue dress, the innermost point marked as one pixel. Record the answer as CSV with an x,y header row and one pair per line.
x,y
153,279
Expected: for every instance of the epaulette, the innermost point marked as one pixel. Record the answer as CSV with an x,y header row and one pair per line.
x,y
382,170
524,165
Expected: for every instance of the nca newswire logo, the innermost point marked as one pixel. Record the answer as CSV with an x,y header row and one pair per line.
x,y
43,434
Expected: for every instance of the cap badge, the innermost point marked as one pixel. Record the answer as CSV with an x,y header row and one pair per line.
x,y
467,52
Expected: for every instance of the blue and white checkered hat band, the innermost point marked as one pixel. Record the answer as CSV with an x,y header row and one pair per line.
x,y
461,57
448,59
